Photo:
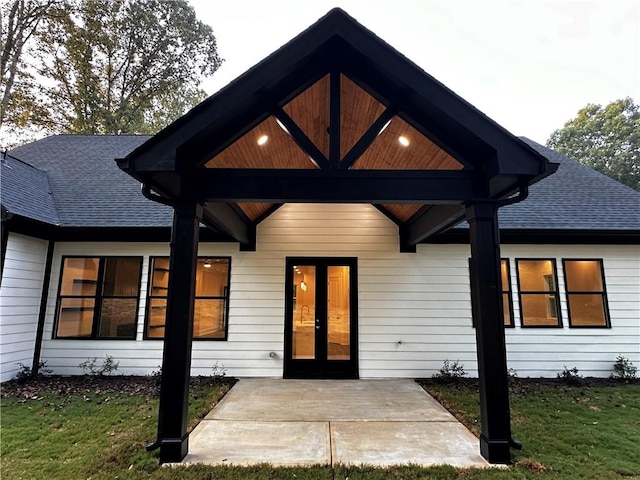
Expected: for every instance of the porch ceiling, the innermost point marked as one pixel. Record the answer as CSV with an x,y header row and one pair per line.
x,y
396,146
335,99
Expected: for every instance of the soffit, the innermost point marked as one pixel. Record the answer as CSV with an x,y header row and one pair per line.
x,y
254,210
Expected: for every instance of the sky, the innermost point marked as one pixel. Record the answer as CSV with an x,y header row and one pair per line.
x,y
530,65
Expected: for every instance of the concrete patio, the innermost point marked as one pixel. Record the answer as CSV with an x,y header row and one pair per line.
x,y
331,422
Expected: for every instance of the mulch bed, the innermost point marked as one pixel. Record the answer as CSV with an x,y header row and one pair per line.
x,y
33,388
525,386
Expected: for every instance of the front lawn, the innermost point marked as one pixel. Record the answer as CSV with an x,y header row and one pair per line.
x,y
98,430
567,432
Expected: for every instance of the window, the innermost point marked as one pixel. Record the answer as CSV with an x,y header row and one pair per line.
x,y
211,299
507,299
586,295
98,297
538,292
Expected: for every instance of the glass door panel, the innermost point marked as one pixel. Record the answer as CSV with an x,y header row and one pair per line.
x,y
321,326
304,312
338,313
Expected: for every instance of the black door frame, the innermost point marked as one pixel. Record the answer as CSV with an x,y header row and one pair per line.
x,y
321,367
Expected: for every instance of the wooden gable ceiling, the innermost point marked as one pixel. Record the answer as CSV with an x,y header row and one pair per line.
x,y
310,110
417,153
277,151
269,145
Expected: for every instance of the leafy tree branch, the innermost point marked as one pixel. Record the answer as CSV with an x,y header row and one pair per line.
x,y
606,139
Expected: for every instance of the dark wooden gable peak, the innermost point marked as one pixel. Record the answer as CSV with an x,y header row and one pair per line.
x,y
299,97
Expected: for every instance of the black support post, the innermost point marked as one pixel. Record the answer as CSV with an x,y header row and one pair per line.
x,y
178,333
495,439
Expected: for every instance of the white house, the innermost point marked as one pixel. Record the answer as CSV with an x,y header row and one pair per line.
x,y
297,274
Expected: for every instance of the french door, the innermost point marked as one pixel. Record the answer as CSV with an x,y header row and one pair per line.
x,y
321,322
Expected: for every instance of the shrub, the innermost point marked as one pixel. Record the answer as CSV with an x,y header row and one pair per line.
x,y
90,367
624,369
24,373
219,372
571,377
450,373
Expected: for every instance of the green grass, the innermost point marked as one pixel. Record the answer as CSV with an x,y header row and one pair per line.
x,y
568,433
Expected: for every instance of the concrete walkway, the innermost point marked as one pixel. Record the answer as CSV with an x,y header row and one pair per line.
x,y
330,422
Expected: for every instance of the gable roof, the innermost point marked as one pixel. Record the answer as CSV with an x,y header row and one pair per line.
x,y
337,45
26,191
289,118
88,190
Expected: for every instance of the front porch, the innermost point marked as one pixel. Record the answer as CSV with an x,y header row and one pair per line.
x,y
331,422
336,116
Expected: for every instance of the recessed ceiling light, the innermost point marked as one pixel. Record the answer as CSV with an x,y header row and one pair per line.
x,y
263,139
404,141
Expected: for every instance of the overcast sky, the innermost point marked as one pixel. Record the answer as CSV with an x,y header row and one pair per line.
x,y
529,65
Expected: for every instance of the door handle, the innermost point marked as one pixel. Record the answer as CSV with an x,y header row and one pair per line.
x,y
317,324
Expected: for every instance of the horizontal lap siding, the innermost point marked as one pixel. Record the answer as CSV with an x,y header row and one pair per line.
x,y
403,298
544,352
414,309
20,296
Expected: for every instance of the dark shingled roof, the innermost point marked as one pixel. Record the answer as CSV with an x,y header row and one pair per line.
x,y
88,187
89,190
574,198
25,191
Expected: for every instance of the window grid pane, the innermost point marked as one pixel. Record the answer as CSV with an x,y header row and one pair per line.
x,y
538,293
586,296
75,317
507,296
211,297
98,297
79,276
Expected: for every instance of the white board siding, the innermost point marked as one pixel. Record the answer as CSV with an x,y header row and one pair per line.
x,y
20,295
544,352
414,309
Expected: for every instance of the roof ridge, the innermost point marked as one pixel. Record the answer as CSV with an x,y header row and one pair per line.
x,y
7,155
533,144
49,192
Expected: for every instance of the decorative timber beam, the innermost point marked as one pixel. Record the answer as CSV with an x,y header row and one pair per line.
x,y
224,218
367,139
428,221
301,138
344,186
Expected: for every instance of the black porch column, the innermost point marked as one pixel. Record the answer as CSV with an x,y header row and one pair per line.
x,y
178,333
495,439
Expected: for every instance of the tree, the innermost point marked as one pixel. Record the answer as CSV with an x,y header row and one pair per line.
x,y
605,139
18,24
119,66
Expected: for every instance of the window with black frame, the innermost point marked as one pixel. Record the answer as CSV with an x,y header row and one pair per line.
x,y
507,296
98,297
211,298
586,293
538,293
